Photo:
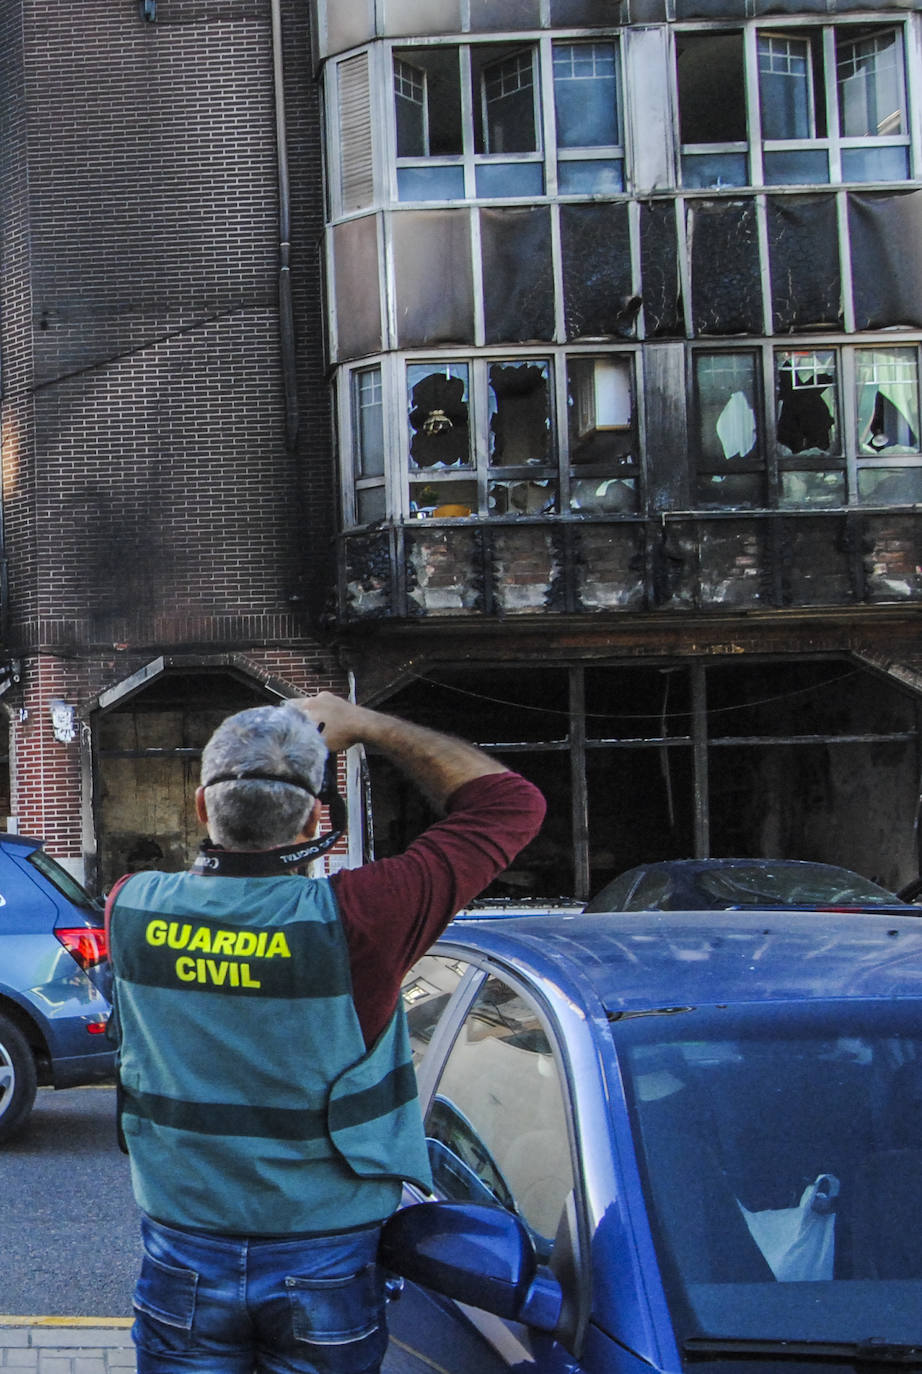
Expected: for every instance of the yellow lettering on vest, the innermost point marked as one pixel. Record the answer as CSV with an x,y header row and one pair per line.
x,y
178,936
156,932
278,946
200,974
245,943
245,980
261,939
201,940
185,969
222,942
217,973
235,975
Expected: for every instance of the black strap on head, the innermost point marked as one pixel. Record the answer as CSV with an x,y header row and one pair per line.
x,y
239,863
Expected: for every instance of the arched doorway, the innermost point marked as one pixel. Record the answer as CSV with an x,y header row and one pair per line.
x,y
147,744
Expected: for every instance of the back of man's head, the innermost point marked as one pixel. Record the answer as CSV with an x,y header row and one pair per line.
x,y
262,770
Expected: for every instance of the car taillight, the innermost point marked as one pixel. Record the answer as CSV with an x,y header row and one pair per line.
x,y
88,944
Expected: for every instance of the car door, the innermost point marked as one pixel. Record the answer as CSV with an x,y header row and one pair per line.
x,y
496,1117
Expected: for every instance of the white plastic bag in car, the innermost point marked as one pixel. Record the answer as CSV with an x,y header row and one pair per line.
x,y
799,1242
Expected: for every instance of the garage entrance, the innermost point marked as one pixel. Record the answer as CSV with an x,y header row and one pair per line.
x,y
796,758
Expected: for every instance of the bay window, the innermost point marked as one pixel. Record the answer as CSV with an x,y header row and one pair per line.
x,y
493,437
807,104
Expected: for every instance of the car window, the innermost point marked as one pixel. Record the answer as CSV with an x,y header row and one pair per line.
x,y
426,992
782,1155
497,1125
59,878
650,891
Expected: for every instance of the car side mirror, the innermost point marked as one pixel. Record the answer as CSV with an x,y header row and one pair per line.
x,y
476,1253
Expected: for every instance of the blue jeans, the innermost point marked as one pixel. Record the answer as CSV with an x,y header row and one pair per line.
x,y
231,1305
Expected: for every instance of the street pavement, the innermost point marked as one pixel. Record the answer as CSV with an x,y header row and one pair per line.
x,y
55,1345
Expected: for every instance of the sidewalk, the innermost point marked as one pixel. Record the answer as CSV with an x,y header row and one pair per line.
x,y
65,1345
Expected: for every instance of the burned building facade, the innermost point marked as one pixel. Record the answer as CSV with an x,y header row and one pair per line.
x,y
625,311
167,506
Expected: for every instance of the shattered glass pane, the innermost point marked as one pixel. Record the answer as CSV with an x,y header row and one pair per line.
x,y
890,486
600,411
803,245
722,491
586,99
726,269
727,406
445,500
438,413
603,495
707,63
812,489
888,400
522,498
869,71
368,412
518,274
520,414
805,392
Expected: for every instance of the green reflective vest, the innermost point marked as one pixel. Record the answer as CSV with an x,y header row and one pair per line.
x,y
250,1103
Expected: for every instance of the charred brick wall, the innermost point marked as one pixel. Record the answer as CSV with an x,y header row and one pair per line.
x,y
161,490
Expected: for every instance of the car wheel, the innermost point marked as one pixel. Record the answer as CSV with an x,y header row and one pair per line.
x,y
17,1078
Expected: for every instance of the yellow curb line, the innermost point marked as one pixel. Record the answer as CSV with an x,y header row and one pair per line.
x,y
66,1321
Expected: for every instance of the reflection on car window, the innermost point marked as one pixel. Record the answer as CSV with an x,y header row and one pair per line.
x,y
59,877
783,1168
426,992
497,1125
798,884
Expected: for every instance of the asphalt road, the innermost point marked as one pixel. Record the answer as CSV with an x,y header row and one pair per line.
x,y
68,1221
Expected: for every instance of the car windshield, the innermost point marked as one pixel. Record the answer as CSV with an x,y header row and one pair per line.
x,y
781,1152
799,884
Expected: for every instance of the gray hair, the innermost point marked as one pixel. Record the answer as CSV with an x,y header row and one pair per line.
x,y
262,812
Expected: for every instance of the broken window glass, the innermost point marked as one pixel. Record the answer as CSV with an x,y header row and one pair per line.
x,y
442,500
708,128
727,400
809,488
520,413
729,463
600,421
438,412
522,497
805,393
888,401
890,486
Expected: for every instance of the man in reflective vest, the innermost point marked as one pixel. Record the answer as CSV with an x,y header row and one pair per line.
x,y
268,1100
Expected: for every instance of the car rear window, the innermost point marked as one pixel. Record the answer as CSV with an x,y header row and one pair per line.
x,y
64,882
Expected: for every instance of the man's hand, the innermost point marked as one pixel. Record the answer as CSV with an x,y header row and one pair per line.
x,y
438,764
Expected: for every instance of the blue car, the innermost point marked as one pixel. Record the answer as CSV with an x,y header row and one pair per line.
x,y
54,977
683,1141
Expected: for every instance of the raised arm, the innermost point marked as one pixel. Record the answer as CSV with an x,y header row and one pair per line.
x,y
437,764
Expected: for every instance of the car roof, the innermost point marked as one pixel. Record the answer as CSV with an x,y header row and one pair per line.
x,y
656,959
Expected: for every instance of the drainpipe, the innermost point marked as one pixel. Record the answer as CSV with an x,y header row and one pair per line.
x,y
286,310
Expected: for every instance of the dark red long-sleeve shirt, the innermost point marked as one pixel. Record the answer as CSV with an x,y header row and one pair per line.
x,y
393,909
